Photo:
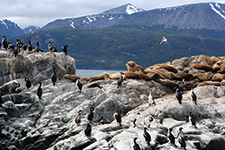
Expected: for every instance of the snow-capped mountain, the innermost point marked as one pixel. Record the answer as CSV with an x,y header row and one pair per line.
x,y
9,28
105,19
31,29
193,16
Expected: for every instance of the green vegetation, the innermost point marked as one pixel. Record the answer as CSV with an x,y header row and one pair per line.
x,y
112,48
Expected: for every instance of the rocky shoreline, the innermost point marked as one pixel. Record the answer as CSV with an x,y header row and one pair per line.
x,y
49,123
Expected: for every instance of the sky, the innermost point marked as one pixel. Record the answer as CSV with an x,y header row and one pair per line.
x,y
41,12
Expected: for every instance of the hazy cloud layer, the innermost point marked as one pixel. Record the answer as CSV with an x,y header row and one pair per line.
x,y
41,12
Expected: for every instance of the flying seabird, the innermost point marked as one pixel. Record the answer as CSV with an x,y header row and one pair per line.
x,y
97,84
179,96
147,136
171,137
192,120
51,48
39,91
64,48
54,76
148,121
118,118
79,85
120,81
150,99
163,40
78,118
87,130
136,146
28,83
181,86
90,116
193,97
137,120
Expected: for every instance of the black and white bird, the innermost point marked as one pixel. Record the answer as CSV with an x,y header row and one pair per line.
x,y
64,48
148,120
137,120
136,146
30,47
193,97
28,83
150,99
181,86
97,84
171,137
181,139
78,118
120,81
15,88
51,48
192,120
147,136
79,84
102,120
163,40
90,116
37,49
87,130
118,118
179,96
54,76
39,91
4,42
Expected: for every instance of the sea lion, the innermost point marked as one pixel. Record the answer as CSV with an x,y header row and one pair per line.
x,y
216,83
168,83
72,77
209,60
132,66
131,75
103,76
202,67
217,77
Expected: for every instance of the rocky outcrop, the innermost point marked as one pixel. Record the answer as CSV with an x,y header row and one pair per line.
x,y
35,66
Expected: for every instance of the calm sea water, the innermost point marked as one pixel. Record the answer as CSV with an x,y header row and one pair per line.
x,y
89,73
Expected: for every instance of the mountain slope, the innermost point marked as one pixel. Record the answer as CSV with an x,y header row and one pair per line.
x,y
111,48
9,28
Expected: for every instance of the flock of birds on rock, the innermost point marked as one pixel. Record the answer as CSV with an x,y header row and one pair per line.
x,y
117,116
20,46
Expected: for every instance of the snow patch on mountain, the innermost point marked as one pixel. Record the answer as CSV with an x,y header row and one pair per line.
x,y
217,11
131,9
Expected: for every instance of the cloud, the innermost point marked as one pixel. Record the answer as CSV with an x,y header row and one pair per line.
x,y
39,13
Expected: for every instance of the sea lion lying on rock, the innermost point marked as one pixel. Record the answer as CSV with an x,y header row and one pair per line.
x,y
217,77
132,66
209,83
103,76
209,60
71,77
202,67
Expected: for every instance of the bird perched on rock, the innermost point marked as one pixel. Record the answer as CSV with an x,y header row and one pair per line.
x,y
150,99
171,137
163,40
181,86
87,130
193,97
97,84
78,118
192,120
51,48
15,88
30,47
54,76
137,120
181,139
4,42
118,118
90,116
136,146
64,48
147,136
120,81
28,83
79,85
37,48
179,96
39,91
102,120
148,121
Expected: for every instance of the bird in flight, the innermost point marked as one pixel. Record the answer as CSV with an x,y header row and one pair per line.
x,y
163,40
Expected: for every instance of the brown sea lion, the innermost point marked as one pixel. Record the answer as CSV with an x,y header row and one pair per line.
x,y
169,67
183,75
209,60
131,75
222,83
132,66
71,77
168,83
115,76
217,77
209,83
222,68
103,76
216,66
202,67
